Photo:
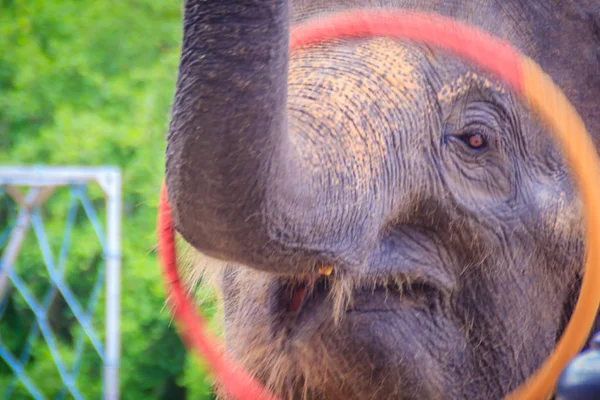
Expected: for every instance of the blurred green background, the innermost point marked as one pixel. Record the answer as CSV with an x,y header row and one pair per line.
x,y
91,83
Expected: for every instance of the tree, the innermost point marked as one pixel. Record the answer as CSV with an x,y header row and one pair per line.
x,y
91,83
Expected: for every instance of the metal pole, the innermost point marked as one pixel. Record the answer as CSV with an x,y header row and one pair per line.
x,y
113,286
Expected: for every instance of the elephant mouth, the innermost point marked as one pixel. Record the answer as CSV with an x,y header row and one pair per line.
x,y
297,293
299,298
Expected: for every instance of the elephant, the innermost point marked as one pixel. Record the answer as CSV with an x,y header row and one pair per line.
x,y
380,218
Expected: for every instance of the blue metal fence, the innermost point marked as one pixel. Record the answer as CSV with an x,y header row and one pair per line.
x,y
24,219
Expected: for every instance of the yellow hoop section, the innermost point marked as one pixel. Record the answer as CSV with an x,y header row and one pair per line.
x,y
560,116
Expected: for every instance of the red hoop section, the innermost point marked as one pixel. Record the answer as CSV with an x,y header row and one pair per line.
x,y
494,56
484,50
236,381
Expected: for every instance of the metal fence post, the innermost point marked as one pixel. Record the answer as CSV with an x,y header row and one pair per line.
x,y
113,287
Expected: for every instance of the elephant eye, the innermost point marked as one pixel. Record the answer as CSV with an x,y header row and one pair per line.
x,y
474,140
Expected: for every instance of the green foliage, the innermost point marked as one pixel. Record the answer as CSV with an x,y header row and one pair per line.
x,y
91,83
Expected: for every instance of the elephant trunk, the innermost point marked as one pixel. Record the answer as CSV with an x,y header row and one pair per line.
x,y
228,134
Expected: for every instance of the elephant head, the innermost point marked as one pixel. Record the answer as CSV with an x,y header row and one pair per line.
x,y
448,215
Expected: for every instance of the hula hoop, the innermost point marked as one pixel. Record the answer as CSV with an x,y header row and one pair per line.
x,y
527,79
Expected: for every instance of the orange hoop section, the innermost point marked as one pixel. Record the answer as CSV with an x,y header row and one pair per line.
x,y
528,80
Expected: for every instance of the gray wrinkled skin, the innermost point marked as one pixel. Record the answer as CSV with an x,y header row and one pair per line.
x,y
442,203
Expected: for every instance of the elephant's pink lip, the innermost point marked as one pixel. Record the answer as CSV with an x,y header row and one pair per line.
x,y
297,293
297,298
